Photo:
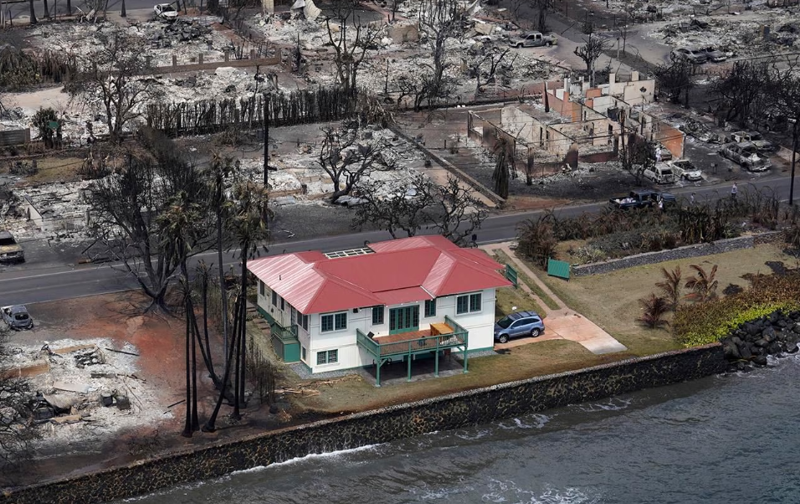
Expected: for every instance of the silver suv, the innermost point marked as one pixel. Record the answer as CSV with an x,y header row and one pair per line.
x,y
525,323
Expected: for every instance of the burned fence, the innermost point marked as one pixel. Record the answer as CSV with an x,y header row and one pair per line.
x,y
282,109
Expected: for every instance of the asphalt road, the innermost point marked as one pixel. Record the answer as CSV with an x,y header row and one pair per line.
x,y
33,283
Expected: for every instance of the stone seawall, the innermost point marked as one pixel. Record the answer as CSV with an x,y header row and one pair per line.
x,y
380,426
700,249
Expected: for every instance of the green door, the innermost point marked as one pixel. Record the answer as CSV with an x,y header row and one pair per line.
x,y
403,319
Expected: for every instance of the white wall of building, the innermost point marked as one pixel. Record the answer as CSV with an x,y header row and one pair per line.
x,y
479,324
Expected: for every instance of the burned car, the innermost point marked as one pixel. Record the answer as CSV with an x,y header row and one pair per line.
x,y
715,55
17,317
10,250
686,170
746,155
762,144
690,55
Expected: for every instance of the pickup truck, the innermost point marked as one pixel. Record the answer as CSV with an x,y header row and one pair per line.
x,y
746,155
763,146
17,317
643,198
533,39
661,173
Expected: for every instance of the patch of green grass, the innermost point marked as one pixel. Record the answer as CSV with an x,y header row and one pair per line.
x,y
503,258
55,169
511,300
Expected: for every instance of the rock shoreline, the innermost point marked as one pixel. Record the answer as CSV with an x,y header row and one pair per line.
x,y
775,334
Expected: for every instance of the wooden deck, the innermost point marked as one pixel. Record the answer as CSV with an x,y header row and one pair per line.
x,y
416,341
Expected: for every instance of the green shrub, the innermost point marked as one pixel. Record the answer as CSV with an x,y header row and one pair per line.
x,y
707,322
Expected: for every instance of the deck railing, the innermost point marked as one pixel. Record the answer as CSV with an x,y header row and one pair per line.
x,y
414,345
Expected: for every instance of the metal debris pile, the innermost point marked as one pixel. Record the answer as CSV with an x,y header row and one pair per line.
x,y
81,389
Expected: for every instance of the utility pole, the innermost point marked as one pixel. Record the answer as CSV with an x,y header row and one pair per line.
x,y
266,149
794,162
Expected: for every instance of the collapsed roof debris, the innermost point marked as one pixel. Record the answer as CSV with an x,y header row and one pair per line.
x,y
82,389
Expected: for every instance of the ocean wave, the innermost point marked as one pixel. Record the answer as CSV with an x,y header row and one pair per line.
x,y
313,456
613,404
510,491
535,421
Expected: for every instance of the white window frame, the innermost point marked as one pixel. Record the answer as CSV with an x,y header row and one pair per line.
x,y
333,322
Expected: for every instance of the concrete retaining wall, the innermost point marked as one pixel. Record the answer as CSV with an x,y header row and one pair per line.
x,y
381,426
700,249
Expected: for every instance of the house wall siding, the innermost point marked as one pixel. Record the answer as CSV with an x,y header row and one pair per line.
x,y
480,326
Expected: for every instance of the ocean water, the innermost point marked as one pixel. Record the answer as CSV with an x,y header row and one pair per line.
x,y
724,439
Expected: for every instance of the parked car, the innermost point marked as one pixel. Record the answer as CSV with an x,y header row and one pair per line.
x,y
643,198
524,323
686,170
661,173
10,250
746,155
666,155
692,55
165,11
715,55
533,39
762,144
17,317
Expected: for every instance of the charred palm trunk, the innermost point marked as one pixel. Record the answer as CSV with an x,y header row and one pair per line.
x,y
33,13
187,428
242,323
236,415
210,425
220,267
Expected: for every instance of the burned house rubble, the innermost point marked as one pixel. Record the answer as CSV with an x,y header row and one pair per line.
x,y
79,390
578,124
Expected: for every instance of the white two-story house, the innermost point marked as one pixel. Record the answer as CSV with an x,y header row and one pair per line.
x,y
402,299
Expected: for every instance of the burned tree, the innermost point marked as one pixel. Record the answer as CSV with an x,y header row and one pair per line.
x,y
394,209
787,96
125,209
109,80
589,52
440,20
16,419
543,7
675,79
501,171
349,54
452,210
742,90
345,157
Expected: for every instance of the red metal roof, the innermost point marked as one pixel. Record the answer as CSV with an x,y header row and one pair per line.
x,y
400,271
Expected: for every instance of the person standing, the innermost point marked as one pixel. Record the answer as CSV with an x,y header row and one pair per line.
x,y
734,191
691,200
658,154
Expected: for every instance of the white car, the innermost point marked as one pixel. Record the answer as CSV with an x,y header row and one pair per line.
x,y
686,170
165,11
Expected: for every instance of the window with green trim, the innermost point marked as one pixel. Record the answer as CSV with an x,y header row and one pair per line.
x,y
326,323
468,303
475,302
340,321
328,357
274,298
462,304
333,322
430,307
261,287
377,314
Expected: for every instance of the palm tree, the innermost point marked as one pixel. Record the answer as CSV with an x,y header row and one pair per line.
x,y
702,284
671,286
654,309
247,221
179,224
221,169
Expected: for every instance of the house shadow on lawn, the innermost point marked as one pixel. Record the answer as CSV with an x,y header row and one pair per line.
x,y
396,372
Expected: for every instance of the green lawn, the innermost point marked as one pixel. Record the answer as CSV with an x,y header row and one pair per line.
x,y
503,258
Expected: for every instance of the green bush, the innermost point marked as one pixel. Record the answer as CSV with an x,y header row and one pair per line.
x,y
708,322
